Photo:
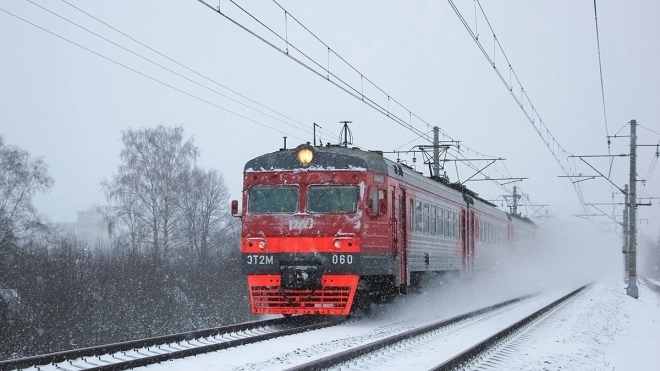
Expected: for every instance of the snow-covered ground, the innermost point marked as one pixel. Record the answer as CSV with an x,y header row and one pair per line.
x,y
600,329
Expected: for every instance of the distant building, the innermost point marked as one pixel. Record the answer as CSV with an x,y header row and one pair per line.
x,y
89,226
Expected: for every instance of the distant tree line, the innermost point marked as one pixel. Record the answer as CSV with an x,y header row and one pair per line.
x,y
170,265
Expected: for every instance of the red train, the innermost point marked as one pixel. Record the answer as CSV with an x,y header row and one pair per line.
x,y
329,229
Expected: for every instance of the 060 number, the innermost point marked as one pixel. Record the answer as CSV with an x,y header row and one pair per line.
x,y
342,259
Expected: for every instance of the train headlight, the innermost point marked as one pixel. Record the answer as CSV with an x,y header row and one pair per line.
x,y
262,244
305,156
337,244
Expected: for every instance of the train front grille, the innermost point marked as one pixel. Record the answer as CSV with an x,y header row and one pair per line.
x,y
335,296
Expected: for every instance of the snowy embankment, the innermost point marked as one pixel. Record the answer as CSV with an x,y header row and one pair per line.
x,y
602,329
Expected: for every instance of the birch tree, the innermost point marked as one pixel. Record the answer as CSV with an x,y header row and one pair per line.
x,y
21,177
147,186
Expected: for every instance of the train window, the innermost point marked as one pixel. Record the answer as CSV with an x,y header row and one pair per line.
x,y
378,178
273,199
418,216
373,200
447,223
485,234
332,199
489,233
441,222
453,225
377,203
434,220
426,221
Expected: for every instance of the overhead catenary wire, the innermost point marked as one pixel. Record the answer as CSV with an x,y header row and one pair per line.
x,y
531,113
421,134
145,75
354,92
296,126
652,131
184,66
648,178
326,74
602,86
602,94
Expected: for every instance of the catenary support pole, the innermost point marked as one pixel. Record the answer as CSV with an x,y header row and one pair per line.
x,y
632,289
626,237
514,208
436,152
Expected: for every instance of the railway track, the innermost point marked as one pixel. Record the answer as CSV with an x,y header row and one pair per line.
x,y
650,284
366,356
130,354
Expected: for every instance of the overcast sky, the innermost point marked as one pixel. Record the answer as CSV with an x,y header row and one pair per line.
x,y
69,105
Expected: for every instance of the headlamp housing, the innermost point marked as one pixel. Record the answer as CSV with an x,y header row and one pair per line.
x,y
305,154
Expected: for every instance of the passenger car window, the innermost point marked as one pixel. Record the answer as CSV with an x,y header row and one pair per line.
x,y
418,216
434,220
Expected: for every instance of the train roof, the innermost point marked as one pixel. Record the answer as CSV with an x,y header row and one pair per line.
x,y
329,157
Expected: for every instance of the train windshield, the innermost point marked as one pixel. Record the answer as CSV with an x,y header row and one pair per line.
x,y
273,199
332,199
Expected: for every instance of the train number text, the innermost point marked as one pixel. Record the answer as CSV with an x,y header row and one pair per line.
x,y
260,259
342,259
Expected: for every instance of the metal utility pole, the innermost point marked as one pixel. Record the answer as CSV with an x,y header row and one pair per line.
x,y
632,289
626,237
436,152
514,208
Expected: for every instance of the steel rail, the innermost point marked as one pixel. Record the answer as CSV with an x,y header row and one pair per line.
x,y
653,286
353,353
301,324
464,358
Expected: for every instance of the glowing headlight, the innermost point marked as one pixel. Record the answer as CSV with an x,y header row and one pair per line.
x,y
305,156
262,244
337,244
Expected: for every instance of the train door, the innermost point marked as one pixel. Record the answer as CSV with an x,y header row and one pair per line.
x,y
400,223
467,241
471,241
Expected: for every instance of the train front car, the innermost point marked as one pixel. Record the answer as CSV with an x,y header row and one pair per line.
x,y
313,228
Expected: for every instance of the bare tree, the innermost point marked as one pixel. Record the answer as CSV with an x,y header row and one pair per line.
x,y
20,178
147,186
203,206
